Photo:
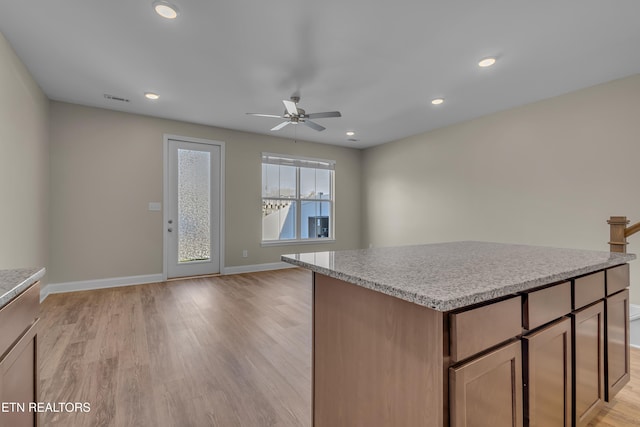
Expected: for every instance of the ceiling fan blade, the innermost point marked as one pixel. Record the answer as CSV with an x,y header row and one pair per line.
x,y
280,126
324,115
265,115
291,107
314,125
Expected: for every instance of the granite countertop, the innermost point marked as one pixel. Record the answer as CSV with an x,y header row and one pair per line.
x,y
447,276
13,282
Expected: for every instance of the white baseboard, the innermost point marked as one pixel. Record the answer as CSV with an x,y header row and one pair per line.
x,y
88,285
256,267
634,312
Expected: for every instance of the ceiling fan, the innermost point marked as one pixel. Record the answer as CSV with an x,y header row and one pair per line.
x,y
294,115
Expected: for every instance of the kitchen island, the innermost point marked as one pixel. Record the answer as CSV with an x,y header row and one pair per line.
x,y
19,312
466,333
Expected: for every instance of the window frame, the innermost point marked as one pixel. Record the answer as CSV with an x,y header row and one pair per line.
x,y
298,162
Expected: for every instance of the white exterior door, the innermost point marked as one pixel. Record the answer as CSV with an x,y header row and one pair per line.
x,y
193,208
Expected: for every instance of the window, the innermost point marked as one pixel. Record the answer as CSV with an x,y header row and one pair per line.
x,y
297,199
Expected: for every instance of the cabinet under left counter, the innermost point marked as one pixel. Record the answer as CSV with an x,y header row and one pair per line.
x,y
19,314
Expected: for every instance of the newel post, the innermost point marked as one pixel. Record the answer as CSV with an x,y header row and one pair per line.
x,y
617,240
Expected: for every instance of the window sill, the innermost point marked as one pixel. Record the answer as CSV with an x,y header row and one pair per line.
x,y
297,242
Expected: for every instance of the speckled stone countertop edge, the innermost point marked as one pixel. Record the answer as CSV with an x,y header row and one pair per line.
x,y
464,301
22,277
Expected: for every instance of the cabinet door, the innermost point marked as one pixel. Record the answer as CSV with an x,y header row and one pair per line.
x,y
617,317
547,376
588,355
487,391
18,381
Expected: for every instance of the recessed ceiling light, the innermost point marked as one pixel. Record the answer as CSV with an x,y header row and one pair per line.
x,y
165,9
351,133
487,62
151,95
437,101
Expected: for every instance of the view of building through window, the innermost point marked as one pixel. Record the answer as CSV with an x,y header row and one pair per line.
x,y
297,198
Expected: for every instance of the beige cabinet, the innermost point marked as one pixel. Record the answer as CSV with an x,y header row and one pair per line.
x,y
588,331
487,390
548,375
18,364
617,333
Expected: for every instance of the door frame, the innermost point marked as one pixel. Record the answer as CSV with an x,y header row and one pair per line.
x,y
165,196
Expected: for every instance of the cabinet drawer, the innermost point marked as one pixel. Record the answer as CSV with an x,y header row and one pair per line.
x,y
617,279
18,315
546,305
476,330
588,289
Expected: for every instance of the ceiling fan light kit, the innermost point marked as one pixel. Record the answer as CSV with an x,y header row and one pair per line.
x,y
295,115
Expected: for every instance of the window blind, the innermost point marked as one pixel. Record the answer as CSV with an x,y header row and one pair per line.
x,y
303,162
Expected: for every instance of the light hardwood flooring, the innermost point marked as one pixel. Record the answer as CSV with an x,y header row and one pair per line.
x,y
224,351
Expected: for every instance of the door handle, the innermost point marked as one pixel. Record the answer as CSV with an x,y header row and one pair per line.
x,y
169,229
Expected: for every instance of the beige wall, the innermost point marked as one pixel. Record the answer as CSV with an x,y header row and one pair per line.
x,y
548,173
106,167
24,165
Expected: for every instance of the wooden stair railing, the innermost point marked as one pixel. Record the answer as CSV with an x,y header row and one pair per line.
x,y
619,233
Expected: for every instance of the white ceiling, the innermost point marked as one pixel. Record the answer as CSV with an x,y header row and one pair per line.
x,y
378,62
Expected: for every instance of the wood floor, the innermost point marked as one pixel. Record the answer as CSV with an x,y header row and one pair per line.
x,y
226,351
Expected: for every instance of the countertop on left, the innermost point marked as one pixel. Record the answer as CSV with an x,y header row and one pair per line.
x,y
13,282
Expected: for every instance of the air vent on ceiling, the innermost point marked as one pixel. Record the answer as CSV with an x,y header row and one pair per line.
x,y
353,140
115,98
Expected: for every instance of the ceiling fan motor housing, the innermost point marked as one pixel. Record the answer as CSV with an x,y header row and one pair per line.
x,y
294,115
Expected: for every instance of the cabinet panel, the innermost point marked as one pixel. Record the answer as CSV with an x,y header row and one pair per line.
x,y
546,305
547,376
588,350
487,391
481,328
378,360
18,380
617,279
617,316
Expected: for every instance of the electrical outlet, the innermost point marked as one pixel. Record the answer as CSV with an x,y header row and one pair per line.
x,y
245,253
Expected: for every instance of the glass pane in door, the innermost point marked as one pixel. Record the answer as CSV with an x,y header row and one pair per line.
x,y
194,205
